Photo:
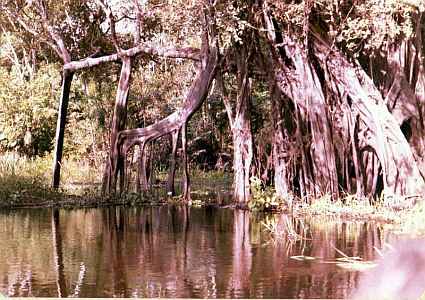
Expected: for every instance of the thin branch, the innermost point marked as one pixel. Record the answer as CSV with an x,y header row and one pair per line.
x,y
108,11
64,54
139,16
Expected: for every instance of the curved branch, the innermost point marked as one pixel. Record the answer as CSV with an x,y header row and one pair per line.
x,y
194,99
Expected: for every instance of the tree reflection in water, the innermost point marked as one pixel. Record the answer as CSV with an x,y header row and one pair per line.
x,y
178,252
58,255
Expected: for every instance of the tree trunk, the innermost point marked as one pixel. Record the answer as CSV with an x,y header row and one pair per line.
x,y
279,150
242,158
186,179
172,171
239,120
141,170
358,165
242,139
299,81
114,164
404,90
305,89
143,165
60,128
401,175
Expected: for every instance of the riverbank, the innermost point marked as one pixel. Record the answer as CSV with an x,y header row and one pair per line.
x,y
25,183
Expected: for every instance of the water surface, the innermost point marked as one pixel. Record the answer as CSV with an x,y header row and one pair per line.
x,y
177,252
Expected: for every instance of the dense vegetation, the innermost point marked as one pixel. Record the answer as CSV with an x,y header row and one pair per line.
x,y
299,99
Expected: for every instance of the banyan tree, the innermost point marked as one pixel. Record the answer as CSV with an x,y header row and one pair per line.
x,y
345,88
342,122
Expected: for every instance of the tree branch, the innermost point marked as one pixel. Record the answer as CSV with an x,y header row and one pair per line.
x,y
187,53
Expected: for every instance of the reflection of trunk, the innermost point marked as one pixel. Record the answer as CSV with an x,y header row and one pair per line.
x,y
60,129
112,166
116,237
58,255
401,175
242,253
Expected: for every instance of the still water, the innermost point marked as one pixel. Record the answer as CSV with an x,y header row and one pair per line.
x,y
178,252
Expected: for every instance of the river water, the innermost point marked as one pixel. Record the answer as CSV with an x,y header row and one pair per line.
x,y
179,252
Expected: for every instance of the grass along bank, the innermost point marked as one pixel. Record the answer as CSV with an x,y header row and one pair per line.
x,y
25,182
407,221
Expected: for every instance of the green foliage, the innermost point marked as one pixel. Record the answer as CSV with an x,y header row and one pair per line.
x,y
90,107
28,110
232,22
365,25
263,199
370,25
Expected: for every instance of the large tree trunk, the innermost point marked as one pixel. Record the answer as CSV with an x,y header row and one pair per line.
x,y
403,90
305,89
60,128
299,81
417,140
401,175
239,120
242,159
279,151
113,166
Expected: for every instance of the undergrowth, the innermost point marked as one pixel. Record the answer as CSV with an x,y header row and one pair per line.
x,y
27,181
265,198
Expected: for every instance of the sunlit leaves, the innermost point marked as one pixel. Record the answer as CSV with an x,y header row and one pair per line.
x,y
373,23
27,109
362,25
231,22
